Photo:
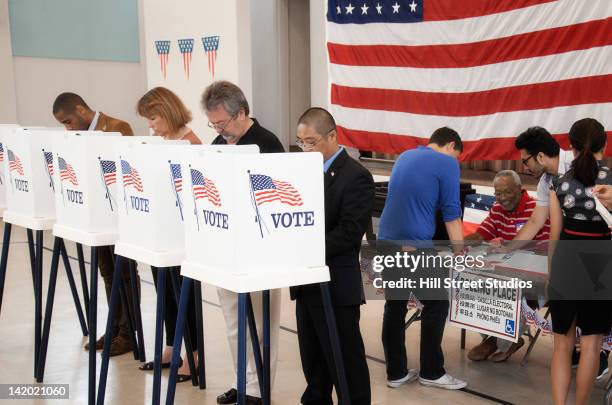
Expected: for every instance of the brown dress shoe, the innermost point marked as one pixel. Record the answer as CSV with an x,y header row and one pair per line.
x,y
99,344
482,351
120,344
498,357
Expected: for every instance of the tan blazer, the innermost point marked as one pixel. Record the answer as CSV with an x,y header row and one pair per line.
x,y
110,124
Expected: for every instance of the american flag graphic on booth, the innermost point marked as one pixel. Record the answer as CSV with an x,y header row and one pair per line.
x,y
49,160
109,170
177,177
211,47
163,50
1,152
267,189
488,69
204,188
66,171
131,177
14,163
186,48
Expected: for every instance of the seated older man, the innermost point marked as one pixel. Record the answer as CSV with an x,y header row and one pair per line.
x,y
512,209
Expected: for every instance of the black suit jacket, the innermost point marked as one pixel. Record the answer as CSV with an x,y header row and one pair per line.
x,y
349,198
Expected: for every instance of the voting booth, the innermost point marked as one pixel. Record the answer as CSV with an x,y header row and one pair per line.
x,y
28,168
85,182
151,214
255,222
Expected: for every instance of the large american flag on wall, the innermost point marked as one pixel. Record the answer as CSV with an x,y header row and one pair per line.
x,y
486,68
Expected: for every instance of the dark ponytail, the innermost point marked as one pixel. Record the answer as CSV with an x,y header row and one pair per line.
x,y
587,136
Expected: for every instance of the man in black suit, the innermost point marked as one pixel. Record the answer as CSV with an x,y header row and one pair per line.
x,y
349,197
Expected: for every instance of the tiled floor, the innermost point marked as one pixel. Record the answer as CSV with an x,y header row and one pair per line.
x,y
67,361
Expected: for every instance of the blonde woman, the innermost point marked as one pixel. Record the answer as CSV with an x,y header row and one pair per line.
x,y
168,117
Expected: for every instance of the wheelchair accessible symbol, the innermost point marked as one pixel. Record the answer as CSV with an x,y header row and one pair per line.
x,y
510,327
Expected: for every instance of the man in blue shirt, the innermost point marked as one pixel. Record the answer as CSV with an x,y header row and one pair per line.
x,y
424,181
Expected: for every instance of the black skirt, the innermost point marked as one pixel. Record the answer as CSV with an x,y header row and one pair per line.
x,y
592,316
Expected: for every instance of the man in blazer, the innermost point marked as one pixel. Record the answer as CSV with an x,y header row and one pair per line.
x,y
71,111
349,197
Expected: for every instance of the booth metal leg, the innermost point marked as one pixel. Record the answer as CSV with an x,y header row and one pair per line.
x,y
254,341
73,287
178,336
462,339
42,357
137,312
343,392
266,393
30,234
242,344
112,309
38,300
159,334
93,319
6,240
83,273
197,289
189,345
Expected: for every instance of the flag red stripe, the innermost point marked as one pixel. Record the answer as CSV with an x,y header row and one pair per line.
x,y
452,9
492,148
533,44
584,90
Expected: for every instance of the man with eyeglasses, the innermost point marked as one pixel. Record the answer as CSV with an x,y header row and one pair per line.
x,y
228,113
543,158
349,198
512,209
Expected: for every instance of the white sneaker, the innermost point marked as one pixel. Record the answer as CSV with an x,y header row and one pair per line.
x,y
411,376
447,382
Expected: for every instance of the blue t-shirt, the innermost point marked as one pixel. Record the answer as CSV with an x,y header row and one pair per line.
x,y
422,182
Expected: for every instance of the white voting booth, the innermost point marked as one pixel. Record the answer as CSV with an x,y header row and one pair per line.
x,y
28,169
255,222
86,176
152,199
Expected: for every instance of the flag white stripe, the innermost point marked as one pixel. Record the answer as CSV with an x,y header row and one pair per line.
x,y
509,124
569,65
535,18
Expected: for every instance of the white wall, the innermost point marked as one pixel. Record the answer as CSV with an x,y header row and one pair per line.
x,y
269,33
230,19
111,87
8,109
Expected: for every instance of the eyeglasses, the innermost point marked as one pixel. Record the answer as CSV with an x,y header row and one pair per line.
x,y
221,125
527,159
308,144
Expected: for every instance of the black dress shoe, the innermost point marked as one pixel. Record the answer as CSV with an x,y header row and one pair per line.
x,y
253,400
228,397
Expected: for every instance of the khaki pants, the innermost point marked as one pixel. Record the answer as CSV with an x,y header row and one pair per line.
x,y
229,306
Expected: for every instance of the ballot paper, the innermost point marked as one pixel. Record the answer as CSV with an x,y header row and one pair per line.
x,y
605,214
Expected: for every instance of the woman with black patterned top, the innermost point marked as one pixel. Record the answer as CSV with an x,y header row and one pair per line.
x,y
573,217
